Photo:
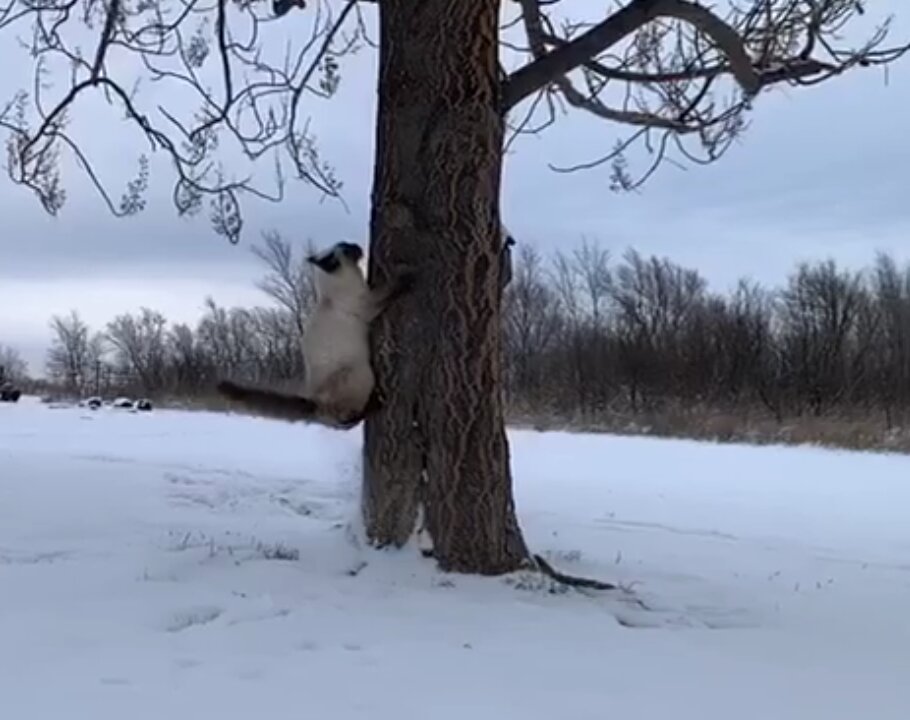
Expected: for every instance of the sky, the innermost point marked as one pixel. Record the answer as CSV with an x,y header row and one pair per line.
x,y
820,173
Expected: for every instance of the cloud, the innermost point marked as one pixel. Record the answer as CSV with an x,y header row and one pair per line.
x,y
819,173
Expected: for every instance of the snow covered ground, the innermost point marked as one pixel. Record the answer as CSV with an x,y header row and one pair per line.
x,y
192,565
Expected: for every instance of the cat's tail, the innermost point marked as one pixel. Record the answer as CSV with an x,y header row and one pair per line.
x,y
270,403
293,408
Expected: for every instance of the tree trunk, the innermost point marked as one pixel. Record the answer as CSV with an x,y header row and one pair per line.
x,y
438,448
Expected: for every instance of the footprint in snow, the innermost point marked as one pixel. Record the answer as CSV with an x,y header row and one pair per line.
x,y
200,615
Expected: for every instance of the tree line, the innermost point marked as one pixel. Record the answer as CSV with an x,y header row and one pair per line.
x,y
586,337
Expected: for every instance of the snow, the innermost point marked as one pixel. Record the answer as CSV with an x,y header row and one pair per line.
x,y
195,565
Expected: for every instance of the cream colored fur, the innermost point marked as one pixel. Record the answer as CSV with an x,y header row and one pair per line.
x,y
336,348
338,384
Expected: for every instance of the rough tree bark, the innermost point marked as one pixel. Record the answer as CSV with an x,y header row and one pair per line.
x,y
438,449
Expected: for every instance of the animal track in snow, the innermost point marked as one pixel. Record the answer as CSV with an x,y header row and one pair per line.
x,y
200,615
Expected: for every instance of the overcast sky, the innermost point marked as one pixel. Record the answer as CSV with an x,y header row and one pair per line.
x,y
820,173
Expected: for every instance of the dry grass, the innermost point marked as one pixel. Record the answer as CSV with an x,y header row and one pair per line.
x,y
753,426
849,432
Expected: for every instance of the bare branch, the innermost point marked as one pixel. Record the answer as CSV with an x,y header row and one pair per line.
x,y
681,75
194,46
660,66
547,68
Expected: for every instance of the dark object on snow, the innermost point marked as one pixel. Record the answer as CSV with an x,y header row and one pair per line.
x,y
8,393
122,403
571,580
281,7
93,403
143,405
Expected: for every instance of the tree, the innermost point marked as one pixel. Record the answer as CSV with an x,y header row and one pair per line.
x,y
289,281
69,356
438,450
14,367
679,74
891,288
531,322
188,359
141,346
75,356
827,330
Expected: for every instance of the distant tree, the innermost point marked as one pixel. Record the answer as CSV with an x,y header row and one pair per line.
x,y
224,335
679,75
140,343
14,366
821,335
69,358
289,281
582,281
532,321
655,302
278,335
189,363
890,371
743,343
